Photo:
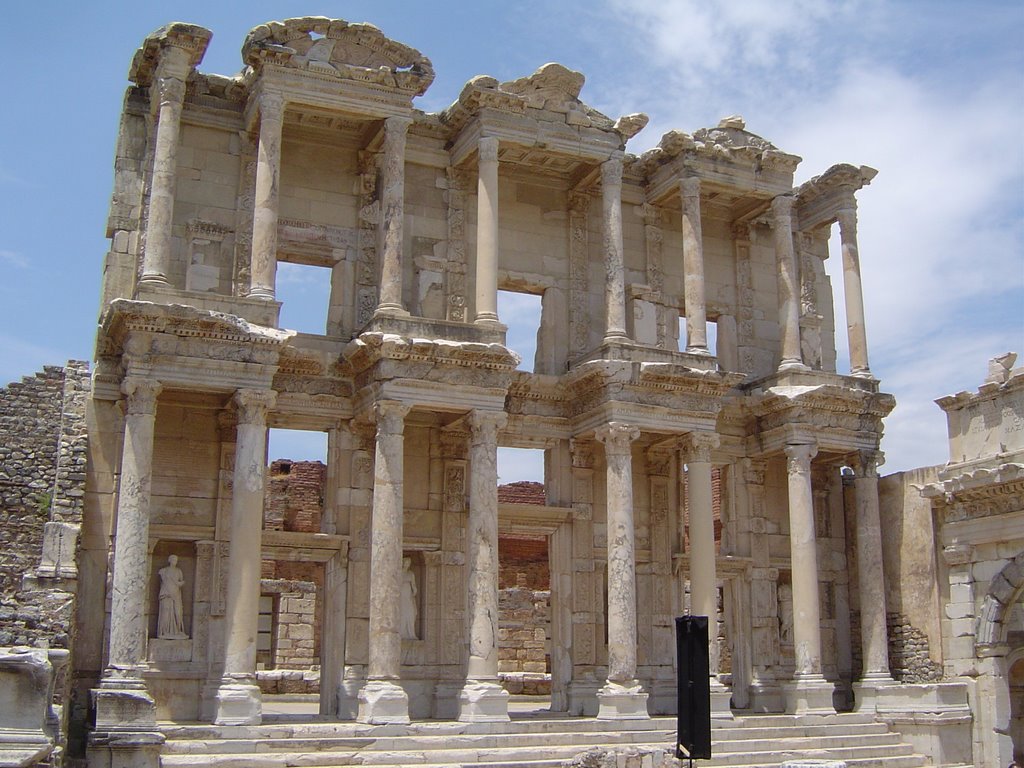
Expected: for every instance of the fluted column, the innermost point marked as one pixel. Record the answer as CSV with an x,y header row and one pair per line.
x,y
265,205
614,266
808,692
622,696
482,698
870,576
129,591
487,231
693,268
855,328
238,696
789,284
381,699
170,90
392,215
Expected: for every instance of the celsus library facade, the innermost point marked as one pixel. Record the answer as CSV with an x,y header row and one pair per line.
x,y
736,479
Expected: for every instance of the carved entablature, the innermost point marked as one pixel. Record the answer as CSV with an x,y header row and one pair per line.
x,y
336,48
979,493
819,200
553,89
728,142
189,38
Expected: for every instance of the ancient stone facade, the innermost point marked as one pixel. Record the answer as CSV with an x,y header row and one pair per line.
x,y
679,477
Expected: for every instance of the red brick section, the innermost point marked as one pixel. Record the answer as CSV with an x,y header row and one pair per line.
x,y
523,492
716,509
294,500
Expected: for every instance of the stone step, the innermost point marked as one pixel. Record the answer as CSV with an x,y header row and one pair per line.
x,y
519,754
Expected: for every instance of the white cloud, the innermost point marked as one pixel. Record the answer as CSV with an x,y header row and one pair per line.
x,y
13,258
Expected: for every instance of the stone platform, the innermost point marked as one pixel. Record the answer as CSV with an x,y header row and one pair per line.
x,y
534,738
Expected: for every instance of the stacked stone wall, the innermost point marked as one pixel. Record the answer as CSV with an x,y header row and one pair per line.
x,y
523,640
910,658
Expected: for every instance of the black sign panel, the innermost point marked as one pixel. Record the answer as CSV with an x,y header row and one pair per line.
x,y
693,688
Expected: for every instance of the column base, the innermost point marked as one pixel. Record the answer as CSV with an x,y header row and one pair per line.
x,y
620,702
123,704
793,365
391,310
238,703
866,692
766,696
809,695
721,701
483,703
382,702
124,750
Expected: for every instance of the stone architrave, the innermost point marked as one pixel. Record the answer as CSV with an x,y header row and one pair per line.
x,y
263,269
622,697
855,329
789,284
160,215
238,696
809,692
392,216
693,268
487,232
121,700
870,580
482,698
382,699
614,264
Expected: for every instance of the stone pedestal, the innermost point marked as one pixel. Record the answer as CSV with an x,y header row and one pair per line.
x,y
382,702
621,702
483,703
808,695
239,703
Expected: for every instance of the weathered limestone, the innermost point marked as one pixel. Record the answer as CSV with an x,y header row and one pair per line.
x,y
487,231
482,699
614,287
621,698
265,211
381,699
789,284
693,267
855,327
809,692
870,580
238,696
28,722
392,216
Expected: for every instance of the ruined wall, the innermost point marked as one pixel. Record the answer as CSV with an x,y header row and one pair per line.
x,y
42,477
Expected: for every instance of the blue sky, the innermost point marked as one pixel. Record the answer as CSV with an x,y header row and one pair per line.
x,y
929,93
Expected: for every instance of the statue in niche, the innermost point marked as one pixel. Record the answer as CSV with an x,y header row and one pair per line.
x,y
786,614
408,602
170,622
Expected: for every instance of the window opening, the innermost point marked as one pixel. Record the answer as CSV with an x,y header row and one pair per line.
x,y
712,334
521,312
305,295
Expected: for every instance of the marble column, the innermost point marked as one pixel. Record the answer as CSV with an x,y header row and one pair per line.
x,y
482,698
392,216
382,699
809,692
789,284
855,329
693,268
871,581
614,265
238,700
122,700
697,448
622,697
170,90
263,274
487,232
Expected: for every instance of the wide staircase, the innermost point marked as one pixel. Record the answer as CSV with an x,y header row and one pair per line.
x,y
533,741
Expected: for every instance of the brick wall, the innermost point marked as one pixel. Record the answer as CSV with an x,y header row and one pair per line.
x,y
294,497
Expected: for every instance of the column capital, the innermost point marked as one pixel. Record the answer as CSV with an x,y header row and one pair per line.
x,y
865,463
252,405
485,425
271,106
697,446
488,149
782,207
617,437
582,452
141,393
689,187
390,416
611,170
754,471
800,455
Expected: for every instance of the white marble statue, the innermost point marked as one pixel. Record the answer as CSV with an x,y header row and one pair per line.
x,y
170,623
409,609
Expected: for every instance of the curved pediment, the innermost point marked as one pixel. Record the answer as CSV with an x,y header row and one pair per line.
x,y
334,47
